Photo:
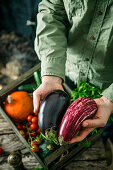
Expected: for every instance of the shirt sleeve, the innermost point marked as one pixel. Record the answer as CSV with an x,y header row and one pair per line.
x,y
51,37
108,93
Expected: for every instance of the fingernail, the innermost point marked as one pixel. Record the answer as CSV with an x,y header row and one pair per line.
x,y
85,124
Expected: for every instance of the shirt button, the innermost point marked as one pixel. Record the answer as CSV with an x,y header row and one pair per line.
x,y
92,37
100,13
86,59
82,74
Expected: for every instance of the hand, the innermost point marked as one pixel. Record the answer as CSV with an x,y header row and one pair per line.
x,y
105,108
49,83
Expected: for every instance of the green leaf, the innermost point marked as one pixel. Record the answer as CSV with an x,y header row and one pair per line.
x,y
87,144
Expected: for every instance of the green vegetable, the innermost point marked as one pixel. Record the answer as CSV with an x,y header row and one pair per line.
x,y
27,87
85,89
46,148
37,77
87,144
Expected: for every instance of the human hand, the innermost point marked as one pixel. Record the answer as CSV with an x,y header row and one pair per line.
x,y
49,83
105,108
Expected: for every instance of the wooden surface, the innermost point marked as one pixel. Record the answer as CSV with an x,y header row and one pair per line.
x,y
92,159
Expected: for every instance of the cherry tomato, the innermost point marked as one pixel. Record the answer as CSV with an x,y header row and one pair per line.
x,y
33,143
35,148
34,126
22,133
29,118
34,119
24,127
38,140
1,150
33,134
27,134
38,131
19,127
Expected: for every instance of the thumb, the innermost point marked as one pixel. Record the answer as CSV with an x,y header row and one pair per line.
x,y
93,123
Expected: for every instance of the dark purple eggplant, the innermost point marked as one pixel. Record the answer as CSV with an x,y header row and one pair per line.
x,y
52,110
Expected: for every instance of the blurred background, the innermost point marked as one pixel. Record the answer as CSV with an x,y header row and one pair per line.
x,y
17,33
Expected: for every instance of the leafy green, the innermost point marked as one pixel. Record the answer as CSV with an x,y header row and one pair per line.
x,y
87,144
85,89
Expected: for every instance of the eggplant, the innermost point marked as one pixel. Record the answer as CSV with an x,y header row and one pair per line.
x,y
81,109
51,112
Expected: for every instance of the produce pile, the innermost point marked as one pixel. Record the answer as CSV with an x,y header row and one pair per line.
x,y
59,119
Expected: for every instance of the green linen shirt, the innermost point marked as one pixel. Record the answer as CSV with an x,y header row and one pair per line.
x,y
75,38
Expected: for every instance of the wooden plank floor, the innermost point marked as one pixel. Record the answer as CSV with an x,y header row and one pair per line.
x,y
92,159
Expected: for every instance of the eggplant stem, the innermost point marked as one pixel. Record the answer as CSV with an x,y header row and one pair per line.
x,y
52,135
61,140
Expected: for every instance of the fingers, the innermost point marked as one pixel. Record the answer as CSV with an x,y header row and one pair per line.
x,y
93,123
36,100
83,133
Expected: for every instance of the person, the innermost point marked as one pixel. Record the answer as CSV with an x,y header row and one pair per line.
x,y
74,39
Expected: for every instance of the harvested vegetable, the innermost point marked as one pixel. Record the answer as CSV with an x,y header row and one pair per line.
x,y
18,106
85,89
81,109
27,87
46,148
37,77
52,110
35,148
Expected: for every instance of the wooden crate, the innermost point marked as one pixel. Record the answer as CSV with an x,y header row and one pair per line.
x,y
64,154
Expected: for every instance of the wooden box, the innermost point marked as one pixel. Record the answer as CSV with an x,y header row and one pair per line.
x,y
63,155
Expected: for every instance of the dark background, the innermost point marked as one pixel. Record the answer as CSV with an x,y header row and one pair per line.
x,y
17,53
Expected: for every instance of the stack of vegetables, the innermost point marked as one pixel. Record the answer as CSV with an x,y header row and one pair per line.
x,y
59,118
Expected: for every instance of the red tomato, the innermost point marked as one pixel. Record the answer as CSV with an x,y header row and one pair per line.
x,y
33,134
34,126
1,151
38,140
27,134
29,118
19,127
34,119
33,143
38,131
35,148
24,127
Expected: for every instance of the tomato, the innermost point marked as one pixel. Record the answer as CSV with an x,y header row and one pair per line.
x,y
34,119
34,126
27,134
33,143
19,127
33,134
1,150
35,148
24,127
38,131
22,133
29,118
38,140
